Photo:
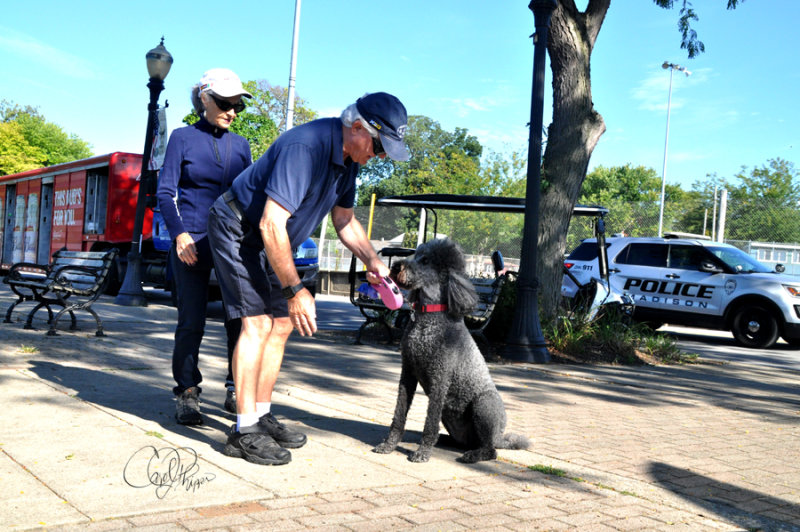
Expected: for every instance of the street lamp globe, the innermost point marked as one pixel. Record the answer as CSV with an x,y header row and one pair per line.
x,y
159,61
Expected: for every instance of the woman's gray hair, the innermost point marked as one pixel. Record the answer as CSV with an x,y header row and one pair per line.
x,y
197,102
351,114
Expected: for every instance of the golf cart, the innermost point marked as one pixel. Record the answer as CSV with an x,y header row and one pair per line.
x,y
488,288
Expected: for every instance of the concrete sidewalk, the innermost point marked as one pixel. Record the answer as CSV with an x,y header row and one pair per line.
x,y
89,441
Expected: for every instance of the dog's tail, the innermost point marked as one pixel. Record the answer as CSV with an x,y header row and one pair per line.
x,y
514,441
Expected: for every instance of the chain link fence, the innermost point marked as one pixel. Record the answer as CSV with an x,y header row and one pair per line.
x,y
767,231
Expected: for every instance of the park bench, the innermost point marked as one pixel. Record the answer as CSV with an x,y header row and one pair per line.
x,y
488,291
74,280
374,311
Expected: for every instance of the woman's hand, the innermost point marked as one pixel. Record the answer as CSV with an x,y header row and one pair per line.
x,y
186,250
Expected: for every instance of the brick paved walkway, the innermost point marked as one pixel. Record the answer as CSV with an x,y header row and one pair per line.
x,y
700,447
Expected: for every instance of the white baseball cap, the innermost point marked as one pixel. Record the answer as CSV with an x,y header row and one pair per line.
x,y
223,82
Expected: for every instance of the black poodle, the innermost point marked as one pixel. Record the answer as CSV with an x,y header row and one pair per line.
x,y
439,353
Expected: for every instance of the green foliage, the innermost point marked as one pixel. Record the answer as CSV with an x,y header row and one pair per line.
x,y
762,206
16,155
774,188
272,100
624,190
265,116
439,161
449,162
689,40
28,141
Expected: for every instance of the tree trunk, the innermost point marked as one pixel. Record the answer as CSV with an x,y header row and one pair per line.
x,y
571,138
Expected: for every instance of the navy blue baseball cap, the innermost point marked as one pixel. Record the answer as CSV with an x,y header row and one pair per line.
x,y
387,114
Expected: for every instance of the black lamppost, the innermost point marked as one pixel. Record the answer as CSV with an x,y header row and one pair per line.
x,y
159,61
525,340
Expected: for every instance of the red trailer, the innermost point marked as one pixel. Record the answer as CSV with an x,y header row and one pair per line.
x,y
85,205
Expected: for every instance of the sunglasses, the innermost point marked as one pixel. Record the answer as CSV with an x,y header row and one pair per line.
x,y
377,146
225,105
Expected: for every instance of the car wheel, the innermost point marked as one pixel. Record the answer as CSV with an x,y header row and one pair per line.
x,y
755,327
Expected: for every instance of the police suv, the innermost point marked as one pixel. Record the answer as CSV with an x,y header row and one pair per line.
x,y
697,283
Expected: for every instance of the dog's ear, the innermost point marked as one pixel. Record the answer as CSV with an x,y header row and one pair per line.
x,y
461,295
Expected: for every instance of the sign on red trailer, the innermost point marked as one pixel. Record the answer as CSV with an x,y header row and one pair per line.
x,y
82,205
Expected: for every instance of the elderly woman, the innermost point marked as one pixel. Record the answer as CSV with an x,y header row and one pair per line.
x,y
200,163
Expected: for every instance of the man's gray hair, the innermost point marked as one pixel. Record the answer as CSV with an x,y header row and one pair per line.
x,y
351,114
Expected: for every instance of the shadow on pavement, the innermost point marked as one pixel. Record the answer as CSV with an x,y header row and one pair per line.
x,y
735,504
126,391
753,390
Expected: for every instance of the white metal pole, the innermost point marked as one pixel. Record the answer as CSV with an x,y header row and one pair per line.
x,y
423,218
293,67
714,217
321,246
664,168
705,221
723,211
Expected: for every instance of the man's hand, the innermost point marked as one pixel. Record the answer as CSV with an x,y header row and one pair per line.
x,y
303,312
375,276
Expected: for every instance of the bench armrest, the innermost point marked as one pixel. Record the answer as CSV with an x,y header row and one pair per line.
x,y
59,279
24,270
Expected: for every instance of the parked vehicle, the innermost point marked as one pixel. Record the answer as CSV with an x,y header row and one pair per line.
x,y
90,205
693,282
306,261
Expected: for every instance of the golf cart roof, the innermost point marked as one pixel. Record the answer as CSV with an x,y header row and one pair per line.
x,y
476,203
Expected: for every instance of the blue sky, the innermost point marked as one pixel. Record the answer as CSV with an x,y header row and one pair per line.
x,y
463,63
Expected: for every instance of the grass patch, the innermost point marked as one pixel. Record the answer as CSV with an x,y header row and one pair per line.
x,y
28,349
554,471
548,470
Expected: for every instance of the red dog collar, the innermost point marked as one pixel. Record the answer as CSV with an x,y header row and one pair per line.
x,y
424,309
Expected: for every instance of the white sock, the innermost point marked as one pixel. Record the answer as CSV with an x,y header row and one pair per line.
x,y
263,408
246,420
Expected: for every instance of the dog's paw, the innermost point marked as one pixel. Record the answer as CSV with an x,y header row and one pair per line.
x,y
383,448
477,455
420,455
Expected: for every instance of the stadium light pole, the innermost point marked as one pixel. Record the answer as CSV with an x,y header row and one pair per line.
x,y
672,68
525,341
159,61
293,67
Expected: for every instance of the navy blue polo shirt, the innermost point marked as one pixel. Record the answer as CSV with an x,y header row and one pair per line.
x,y
303,171
200,164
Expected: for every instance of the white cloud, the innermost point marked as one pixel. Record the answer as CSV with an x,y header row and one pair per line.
x,y
30,49
653,92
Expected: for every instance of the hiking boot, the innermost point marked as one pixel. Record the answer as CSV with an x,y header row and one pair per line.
x,y
256,447
290,439
187,406
230,401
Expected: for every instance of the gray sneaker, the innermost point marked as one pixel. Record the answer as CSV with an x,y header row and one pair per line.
x,y
286,437
255,446
187,407
230,401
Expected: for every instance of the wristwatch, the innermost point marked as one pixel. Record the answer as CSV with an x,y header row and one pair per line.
x,y
290,291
